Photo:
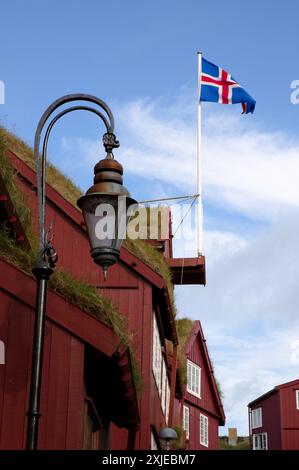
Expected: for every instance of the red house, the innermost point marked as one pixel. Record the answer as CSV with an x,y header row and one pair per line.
x,y
82,348
89,397
274,418
200,408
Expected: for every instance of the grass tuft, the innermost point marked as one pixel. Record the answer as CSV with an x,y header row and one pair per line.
x,y
184,327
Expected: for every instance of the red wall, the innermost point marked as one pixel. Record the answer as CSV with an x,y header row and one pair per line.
x,y
131,293
62,386
205,405
207,401
289,417
133,297
70,239
194,430
270,420
280,418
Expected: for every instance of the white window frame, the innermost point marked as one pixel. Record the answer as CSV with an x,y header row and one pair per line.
x,y
157,354
167,399
256,418
159,368
186,420
163,386
154,445
204,430
297,399
262,439
192,371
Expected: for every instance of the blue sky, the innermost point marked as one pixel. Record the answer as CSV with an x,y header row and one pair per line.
x,y
140,57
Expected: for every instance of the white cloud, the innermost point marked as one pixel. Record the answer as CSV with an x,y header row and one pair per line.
x,y
220,244
245,169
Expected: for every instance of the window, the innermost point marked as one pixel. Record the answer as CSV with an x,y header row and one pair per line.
x,y
96,416
163,386
186,420
167,400
193,379
256,418
260,441
297,399
153,442
204,430
157,355
92,427
160,370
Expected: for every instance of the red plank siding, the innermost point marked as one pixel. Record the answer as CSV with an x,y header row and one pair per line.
x,y
15,371
289,416
270,421
207,401
130,285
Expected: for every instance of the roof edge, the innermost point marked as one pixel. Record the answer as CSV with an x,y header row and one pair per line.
x,y
197,330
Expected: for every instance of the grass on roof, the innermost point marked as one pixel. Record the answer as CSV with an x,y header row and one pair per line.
x,y
155,259
76,291
8,174
55,178
184,327
71,193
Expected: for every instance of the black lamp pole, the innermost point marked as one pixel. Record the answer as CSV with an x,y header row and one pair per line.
x,y
47,255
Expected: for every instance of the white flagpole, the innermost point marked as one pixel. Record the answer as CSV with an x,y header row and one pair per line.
x,y
199,162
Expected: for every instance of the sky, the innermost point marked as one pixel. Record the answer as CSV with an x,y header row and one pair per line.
x,y
140,58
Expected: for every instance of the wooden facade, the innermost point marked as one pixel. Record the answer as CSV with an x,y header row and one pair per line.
x,y
274,418
203,407
87,376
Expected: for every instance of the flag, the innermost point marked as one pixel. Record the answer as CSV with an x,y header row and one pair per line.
x,y
218,86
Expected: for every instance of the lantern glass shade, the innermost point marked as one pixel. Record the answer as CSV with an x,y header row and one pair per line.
x,y
167,436
106,217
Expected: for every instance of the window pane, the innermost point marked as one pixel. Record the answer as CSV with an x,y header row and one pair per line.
x,y
193,378
186,420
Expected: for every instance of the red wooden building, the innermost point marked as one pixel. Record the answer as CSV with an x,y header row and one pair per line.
x,y
200,408
89,397
274,418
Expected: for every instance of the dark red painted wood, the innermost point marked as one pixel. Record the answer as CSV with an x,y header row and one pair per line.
x,y
280,417
209,404
75,411
131,287
59,310
270,420
62,397
15,371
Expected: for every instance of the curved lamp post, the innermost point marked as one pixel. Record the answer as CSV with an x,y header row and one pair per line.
x,y
106,201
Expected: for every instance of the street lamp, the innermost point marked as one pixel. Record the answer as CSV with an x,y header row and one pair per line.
x,y
107,197
167,437
106,205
